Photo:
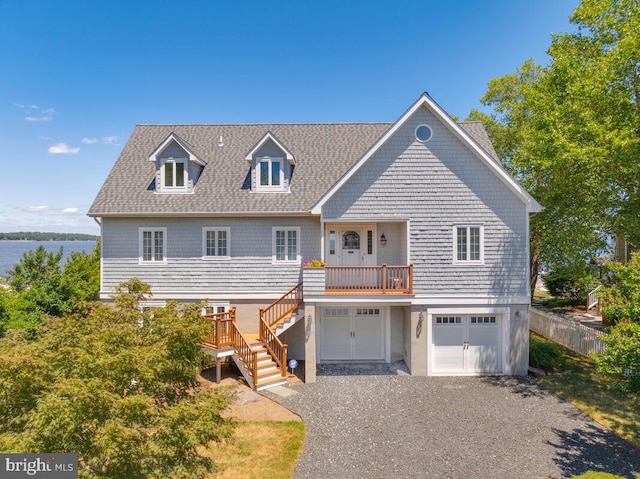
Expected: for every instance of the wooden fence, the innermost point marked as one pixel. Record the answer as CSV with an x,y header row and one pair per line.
x,y
571,334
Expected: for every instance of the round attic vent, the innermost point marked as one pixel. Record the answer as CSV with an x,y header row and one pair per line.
x,y
423,133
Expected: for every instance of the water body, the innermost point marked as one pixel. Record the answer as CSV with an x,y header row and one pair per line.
x,y
11,251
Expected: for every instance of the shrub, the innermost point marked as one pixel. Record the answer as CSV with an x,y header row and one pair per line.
x,y
621,359
621,301
571,283
544,354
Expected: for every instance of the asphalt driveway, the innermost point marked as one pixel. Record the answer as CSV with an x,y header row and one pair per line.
x,y
378,422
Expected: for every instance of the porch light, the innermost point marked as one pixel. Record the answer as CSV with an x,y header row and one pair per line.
x,y
383,239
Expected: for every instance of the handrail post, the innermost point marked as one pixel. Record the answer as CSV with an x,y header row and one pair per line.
x,y
384,277
283,367
410,279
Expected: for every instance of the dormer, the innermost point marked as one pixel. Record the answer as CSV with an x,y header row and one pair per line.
x,y
271,165
177,167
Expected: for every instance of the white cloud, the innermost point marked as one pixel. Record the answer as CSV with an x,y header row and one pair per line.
x,y
37,208
89,141
45,218
35,113
38,118
62,148
70,210
111,140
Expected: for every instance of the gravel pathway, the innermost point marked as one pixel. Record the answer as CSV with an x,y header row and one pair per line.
x,y
377,422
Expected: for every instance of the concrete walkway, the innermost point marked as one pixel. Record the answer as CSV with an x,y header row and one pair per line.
x,y
377,422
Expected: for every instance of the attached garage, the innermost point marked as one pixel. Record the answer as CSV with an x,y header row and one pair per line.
x,y
467,343
352,333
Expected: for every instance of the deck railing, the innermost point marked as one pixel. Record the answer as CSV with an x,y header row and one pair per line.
x,y
220,335
382,279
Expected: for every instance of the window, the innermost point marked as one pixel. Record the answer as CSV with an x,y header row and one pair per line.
x,y
213,308
468,244
270,173
173,174
423,133
286,247
332,242
215,243
152,245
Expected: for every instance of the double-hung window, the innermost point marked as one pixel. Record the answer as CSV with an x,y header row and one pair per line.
x,y
215,243
153,245
286,244
270,173
468,244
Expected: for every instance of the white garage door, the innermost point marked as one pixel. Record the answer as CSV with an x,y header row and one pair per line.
x,y
352,334
466,344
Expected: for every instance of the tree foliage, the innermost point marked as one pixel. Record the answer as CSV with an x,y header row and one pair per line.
x,y
39,285
115,384
621,300
621,358
570,132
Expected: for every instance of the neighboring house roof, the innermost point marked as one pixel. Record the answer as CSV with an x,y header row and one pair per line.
x,y
324,154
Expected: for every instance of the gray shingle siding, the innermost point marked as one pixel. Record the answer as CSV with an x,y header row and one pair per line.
x,y
250,267
437,185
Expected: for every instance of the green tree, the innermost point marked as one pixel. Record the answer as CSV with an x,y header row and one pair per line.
x,y
621,300
115,384
621,358
569,131
81,276
40,286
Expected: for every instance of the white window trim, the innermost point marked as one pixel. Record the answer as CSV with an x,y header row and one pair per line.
x,y
217,304
215,257
270,159
297,260
141,232
455,245
174,189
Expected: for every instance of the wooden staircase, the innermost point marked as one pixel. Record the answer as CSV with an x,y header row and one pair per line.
x,y
262,360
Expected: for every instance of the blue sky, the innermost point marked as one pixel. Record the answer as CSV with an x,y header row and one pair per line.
x,y
77,76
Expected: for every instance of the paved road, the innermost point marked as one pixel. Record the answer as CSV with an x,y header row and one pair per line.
x,y
376,423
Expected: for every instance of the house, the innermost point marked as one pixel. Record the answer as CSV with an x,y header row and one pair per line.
x,y
424,236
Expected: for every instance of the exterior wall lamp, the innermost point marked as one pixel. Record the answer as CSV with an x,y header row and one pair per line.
x,y
383,239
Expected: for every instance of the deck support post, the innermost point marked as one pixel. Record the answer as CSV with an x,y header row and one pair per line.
x,y
218,370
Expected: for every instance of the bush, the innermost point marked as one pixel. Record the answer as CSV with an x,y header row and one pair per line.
x,y
544,354
571,283
621,301
621,359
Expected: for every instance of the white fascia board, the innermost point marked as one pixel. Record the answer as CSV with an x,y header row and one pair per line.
x,y
386,299
212,296
428,300
426,101
270,136
173,137
382,219
203,214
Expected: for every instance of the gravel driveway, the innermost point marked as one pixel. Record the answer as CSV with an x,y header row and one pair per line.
x,y
377,422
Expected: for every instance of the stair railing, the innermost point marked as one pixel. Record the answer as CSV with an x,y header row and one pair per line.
x,y
593,299
243,348
270,316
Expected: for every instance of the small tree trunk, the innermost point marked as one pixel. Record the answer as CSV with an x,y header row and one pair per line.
x,y
534,265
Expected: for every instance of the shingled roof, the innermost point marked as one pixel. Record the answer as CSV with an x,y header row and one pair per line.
x,y
323,153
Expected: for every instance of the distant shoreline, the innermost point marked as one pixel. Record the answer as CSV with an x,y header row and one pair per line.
x,y
46,236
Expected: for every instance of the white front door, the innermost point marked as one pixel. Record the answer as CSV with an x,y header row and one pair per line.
x,y
466,344
350,245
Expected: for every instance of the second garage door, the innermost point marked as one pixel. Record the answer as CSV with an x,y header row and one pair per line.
x,y
352,334
466,344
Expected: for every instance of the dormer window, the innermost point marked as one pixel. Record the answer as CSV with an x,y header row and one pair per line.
x,y
174,173
177,167
271,173
271,165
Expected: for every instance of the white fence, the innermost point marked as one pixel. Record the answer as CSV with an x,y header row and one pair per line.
x,y
571,334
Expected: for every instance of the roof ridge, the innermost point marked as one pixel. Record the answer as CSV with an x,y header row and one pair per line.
x,y
267,123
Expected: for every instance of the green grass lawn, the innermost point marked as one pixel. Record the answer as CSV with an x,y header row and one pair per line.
x,y
581,385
